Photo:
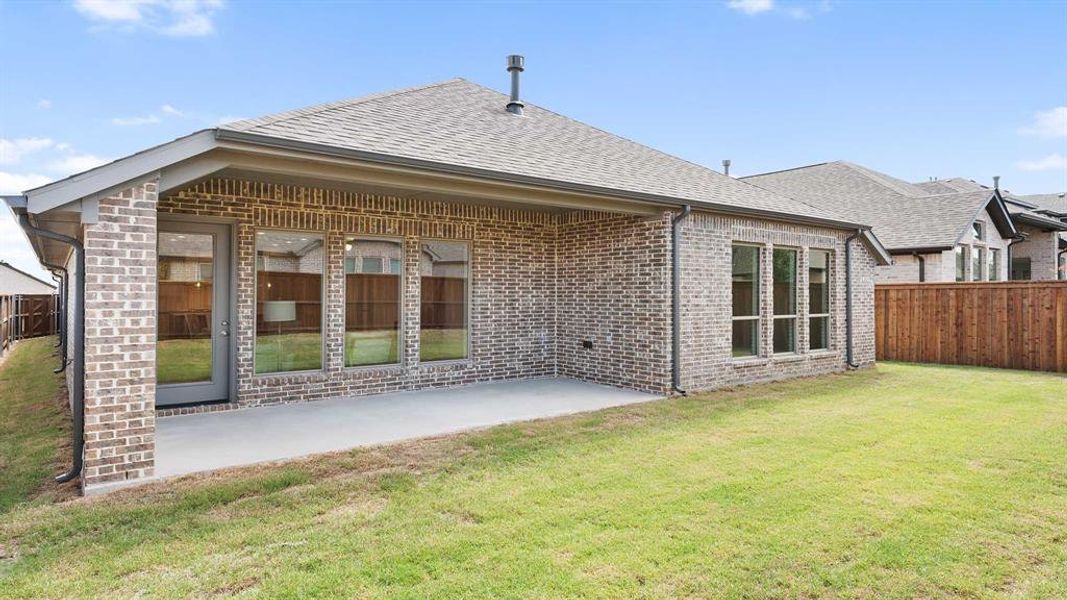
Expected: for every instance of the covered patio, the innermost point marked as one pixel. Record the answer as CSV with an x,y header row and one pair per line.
x,y
209,441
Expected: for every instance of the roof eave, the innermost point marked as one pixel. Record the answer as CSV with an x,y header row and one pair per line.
x,y
225,135
122,172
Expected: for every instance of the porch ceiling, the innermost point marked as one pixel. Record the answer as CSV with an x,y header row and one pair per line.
x,y
205,442
351,175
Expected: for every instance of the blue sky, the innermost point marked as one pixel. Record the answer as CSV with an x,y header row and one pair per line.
x,y
914,89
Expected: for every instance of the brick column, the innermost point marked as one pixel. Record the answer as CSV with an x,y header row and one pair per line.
x,y
803,335
767,300
120,339
412,302
334,302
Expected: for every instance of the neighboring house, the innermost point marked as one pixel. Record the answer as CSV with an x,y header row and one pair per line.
x,y
1041,221
1049,244
15,281
933,234
434,236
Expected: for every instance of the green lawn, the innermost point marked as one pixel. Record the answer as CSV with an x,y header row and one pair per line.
x,y
34,431
899,482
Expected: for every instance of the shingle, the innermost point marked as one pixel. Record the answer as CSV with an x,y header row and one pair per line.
x,y
902,214
457,122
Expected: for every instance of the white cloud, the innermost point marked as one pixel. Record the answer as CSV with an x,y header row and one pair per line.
x,y
1049,123
111,10
751,7
44,103
76,163
16,183
135,121
178,18
1052,162
12,151
794,10
170,110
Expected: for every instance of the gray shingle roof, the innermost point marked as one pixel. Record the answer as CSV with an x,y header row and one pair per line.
x,y
903,215
457,122
1056,203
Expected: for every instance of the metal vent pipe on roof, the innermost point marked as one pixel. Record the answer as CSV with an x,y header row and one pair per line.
x,y
516,65
726,167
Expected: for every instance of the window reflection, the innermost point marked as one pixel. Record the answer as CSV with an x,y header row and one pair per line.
x,y
289,267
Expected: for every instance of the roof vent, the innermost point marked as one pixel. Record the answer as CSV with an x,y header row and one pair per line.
x,y
516,64
726,167
996,182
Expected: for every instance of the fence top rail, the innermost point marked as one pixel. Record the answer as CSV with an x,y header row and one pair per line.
x,y
957,285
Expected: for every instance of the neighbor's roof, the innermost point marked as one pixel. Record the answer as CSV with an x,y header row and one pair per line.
x,y
17,281
457,122
1033,210
1052,203
903,215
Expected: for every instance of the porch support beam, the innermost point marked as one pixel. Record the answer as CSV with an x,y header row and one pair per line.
x,y
281,162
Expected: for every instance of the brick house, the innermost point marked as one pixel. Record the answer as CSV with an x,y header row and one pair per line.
x,y
1038,253
934,232
434,236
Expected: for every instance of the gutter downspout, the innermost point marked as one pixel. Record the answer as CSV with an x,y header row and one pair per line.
x,y
848,299
58,278
77,408
922,266
676,294
1007,257
61,317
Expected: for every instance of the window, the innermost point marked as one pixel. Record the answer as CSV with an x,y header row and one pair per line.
x,y
372,302
1063,266
994,264
785,300
960,263
978,230
819,300
745,289
1020,268
977,258
288,301
444,269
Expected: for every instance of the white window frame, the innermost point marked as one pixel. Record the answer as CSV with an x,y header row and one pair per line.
x,y
993,264
977,260
959,258
829,297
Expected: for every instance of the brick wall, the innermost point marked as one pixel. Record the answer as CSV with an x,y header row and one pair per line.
x,y
512,325
707,360
614,278
120,335
542,284
1041,247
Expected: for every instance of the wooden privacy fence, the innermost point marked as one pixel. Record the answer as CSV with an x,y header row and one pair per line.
x,y
26,316
1015,325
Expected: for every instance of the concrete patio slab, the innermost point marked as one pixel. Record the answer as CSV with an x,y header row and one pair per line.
x,y
204,442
